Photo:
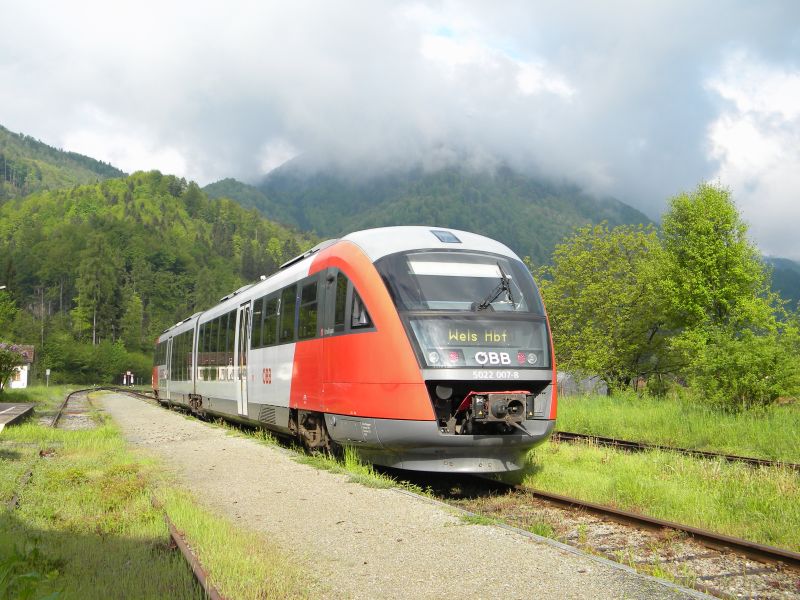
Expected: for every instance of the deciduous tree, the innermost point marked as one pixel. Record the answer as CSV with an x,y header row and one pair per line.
x,y
604,294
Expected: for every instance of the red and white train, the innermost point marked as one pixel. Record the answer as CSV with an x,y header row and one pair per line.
x,y
423,348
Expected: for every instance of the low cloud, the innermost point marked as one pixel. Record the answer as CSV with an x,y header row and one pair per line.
x,y
639,100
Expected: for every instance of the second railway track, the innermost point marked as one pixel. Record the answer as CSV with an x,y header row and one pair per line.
x,y
632,446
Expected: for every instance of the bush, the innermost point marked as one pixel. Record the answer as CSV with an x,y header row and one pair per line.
x,y
10,357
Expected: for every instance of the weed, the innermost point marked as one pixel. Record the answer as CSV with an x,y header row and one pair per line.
x,y
543,529
478,520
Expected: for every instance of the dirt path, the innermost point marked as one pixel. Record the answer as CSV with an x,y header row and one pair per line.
x,y
365,542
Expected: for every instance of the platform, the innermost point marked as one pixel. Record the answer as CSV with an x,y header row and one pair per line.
x,y
12,413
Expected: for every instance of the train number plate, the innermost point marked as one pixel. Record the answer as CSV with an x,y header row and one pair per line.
x,y
494,374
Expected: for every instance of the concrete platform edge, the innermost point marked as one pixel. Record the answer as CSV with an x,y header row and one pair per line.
x,y
561,546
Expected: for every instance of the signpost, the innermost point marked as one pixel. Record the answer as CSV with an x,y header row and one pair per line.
x,y
47,374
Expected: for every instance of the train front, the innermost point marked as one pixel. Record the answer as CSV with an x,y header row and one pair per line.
x,y
480,333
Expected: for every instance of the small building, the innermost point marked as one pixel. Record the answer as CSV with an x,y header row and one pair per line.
x,y
19,378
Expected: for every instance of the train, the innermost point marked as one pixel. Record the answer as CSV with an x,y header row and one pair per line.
x,y
422,348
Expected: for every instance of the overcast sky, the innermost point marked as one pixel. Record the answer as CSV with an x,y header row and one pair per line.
x,y
640,100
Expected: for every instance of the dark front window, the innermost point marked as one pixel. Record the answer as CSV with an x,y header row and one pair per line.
x,y
459,281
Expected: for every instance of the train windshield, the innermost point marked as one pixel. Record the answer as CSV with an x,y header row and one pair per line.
x,y
459,281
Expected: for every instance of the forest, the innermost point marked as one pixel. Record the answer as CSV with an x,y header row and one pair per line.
x,y
95,272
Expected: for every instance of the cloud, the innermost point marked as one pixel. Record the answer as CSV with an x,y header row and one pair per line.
x,y
756,139
637,100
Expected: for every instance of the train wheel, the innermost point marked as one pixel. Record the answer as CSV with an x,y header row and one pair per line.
x,y
314,434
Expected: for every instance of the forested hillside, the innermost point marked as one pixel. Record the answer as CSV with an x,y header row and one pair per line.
x,y
529,215
125,258
786,279
28,165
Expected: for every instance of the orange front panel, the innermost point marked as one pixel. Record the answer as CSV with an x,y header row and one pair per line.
x,y
154,378
379,400
375,373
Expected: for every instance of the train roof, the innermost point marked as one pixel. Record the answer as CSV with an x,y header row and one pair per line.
x,y
380,242
375,243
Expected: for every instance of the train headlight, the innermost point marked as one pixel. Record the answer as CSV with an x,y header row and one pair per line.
x,y
433,357
532,358
444,392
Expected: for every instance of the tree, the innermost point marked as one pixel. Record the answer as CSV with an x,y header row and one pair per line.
x,y
131,322
736,341
97,280
605,298
714,269
8,312
10,357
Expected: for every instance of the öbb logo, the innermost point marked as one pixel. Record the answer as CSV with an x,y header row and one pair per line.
x,y
493,358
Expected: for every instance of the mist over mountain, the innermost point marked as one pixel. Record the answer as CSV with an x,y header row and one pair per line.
x,y
785,279
28,165
530,215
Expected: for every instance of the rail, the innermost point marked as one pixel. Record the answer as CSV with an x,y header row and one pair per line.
x,y
569,436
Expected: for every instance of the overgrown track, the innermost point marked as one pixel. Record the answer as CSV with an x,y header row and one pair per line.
x,y
176,536
568,436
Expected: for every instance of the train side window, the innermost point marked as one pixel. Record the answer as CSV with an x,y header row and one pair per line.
x,y
271,321
231,338
307,321
255,335
288,303
359,317
223,339
339,318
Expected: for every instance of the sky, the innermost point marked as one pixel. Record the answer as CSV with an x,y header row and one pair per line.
x,y
636,100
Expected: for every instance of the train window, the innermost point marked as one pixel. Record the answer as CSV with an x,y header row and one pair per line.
x,y
288,302
341,302
459,281
255,335
307,321
271,321
359,317
231,338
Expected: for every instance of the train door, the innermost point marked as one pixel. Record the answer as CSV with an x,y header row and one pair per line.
x,y
243,345
169,370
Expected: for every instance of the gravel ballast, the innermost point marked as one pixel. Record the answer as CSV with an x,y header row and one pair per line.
x,y
363,542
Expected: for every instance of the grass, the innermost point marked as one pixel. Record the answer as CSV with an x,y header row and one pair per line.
x,y
240,564
771,433
349,464
86,526
759,504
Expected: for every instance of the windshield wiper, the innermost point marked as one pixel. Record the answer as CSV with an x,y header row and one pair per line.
x,y
503,286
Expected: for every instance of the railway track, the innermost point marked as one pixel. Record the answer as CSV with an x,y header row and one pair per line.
x,y
568,436
716,564
75,409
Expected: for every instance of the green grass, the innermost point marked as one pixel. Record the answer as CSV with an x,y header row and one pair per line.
x,y
240,564
771,433
84,520
86,526
759,504
349,464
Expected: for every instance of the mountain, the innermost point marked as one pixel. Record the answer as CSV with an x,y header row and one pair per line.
x,y
785,279
28,165
528,214
79,256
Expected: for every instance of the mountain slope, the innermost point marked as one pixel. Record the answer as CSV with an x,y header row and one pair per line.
x,y
529,215
28,165
785,279
91,248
